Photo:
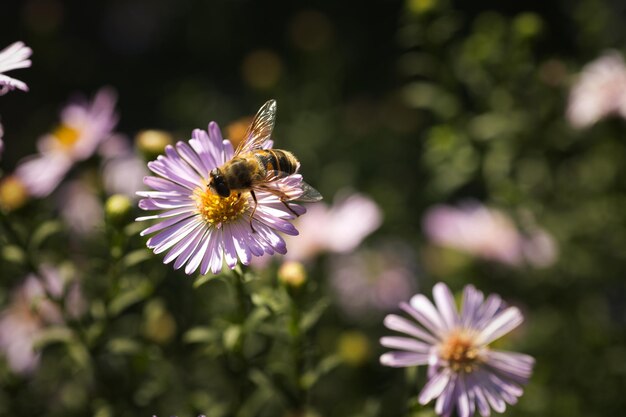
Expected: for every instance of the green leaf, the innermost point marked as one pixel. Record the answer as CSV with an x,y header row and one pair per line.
x,y
14,254
326,365
123,346
130,297
54,334
232,337
43,232
314,314
136,257
203,279
200,334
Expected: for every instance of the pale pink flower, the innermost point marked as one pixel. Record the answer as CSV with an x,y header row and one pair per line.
x,y
488,233
122,169
12,57
599,91
30,312
371,281
124,174
84,126
80,207
339,228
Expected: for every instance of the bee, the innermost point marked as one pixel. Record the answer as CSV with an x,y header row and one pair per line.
x,y
254,168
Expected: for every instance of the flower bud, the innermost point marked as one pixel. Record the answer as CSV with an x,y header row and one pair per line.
x,y
151,143
118,209
13,193
353,347
292,274
159,325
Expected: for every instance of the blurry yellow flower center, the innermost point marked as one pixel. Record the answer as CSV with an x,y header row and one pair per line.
x,y
217,210
66,136
13,193
460,351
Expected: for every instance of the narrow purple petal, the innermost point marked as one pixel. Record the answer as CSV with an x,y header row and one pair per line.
x,y
400,324
516,366
169,237
405,343
403,359
445,402
200,253
426,314
435,386
503,323
445,304
230,252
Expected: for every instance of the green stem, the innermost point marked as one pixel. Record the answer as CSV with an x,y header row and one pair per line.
x,y
297,350
241,366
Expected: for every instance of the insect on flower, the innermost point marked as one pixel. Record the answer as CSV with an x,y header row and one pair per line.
x,y
215,205
254,168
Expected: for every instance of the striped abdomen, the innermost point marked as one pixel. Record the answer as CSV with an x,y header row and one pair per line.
x,y
277,160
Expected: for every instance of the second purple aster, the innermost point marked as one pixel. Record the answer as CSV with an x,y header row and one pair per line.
x,y
464,373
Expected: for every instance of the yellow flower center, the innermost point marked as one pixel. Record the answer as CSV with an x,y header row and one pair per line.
x,y
460,352
66,136
13,193
216,210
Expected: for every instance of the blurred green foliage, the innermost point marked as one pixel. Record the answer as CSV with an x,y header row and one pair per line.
x,y
414,103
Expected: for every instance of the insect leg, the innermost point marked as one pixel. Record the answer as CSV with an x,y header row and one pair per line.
x,y
289,208
253,210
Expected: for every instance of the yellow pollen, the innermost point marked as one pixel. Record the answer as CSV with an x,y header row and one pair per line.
x,y
216,210
460,352
66,136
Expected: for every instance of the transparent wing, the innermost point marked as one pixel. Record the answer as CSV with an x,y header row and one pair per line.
x,y
260,130
303,193
309,194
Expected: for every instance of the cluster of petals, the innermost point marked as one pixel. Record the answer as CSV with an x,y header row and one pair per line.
x,y
488,233
12,57
84,126
600,91
464,373
182,174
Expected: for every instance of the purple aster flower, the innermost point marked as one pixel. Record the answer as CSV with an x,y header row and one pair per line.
x,y
84,126
13,57
201,229
464,373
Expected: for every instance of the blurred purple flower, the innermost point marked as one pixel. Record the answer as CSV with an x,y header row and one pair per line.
x,y
202,229
84,126
600,91
371,281
463,372
80,207
122,169
488,233
13,57
29,312
339,228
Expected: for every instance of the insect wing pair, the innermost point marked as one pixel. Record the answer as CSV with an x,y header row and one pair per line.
x,y
255,139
